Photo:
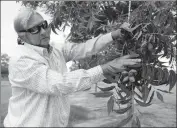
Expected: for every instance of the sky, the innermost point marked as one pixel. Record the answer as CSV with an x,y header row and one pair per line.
x,y
9,9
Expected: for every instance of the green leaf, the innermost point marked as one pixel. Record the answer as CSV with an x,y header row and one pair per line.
x,y
125,121
172,80
138,95
160,75
142,103
145,92
134,28
107,88
136,122
57,22
53,29
107,81
96,20
151,98
144,71
165,76
119,93
90,24
139,35
159,96
102,94
123,88
165,91
122,111
110,105
125,101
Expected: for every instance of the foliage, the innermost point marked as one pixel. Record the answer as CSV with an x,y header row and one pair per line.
x,y
4,63
152,36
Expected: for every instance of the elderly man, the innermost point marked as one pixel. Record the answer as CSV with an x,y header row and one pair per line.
x,y
39,78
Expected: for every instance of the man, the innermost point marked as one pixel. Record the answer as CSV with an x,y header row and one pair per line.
x,y
39,78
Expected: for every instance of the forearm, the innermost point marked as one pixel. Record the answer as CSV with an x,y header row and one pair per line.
x,y
41,79
75,51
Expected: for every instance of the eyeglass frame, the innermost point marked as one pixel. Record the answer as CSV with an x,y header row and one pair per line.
x,y
39,26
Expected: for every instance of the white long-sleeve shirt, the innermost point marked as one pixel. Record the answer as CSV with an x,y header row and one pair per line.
x,y
41,84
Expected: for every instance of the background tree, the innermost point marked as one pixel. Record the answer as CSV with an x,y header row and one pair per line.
x,y
152,36
4,64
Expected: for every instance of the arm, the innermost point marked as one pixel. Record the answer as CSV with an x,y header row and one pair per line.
x,y
36,76
75,51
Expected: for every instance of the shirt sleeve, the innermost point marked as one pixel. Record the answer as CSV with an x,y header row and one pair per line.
x,y
38,77
75,51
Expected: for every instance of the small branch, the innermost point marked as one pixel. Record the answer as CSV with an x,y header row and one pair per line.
x,y
159,34
129,9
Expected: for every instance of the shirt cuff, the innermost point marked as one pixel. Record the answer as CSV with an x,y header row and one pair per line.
x,y
96,74
108,37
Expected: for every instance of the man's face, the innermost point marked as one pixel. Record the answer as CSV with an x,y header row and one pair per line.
x,y
37,24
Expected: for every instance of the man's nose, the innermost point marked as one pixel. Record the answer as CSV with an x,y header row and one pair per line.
x,y
43,31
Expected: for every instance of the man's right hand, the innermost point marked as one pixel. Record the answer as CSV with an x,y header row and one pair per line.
x,y
119,64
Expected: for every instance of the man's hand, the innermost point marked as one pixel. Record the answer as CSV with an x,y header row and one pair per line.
x,y
125,26
117,34
119,64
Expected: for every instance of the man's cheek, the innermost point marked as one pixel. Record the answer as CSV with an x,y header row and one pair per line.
x,y
49,31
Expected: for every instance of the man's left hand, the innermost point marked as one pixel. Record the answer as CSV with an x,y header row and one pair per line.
x,y
118,33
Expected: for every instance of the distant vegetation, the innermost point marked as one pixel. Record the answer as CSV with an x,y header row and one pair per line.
x,y
4,64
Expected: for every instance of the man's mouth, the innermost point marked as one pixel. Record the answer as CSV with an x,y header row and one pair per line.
x,y
45,38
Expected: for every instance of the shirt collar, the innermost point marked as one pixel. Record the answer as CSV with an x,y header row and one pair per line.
x,y
42,51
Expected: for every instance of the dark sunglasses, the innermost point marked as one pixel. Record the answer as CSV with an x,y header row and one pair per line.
x,y
37,29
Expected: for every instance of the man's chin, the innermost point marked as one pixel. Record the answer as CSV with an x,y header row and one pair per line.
x,y
45,42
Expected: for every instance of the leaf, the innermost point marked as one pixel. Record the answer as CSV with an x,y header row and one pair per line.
x,y
122,111
90,24
165,91
119,93
110,105
165,76
142,103
134,28
107,88
125,101
96,20
123,88
151,98
57,22
107,81
160,75
152,74
125,121
145,92
172,79
87,89
136,122
53,29
138,95
102,94
159,96
144,71
148,73
139,35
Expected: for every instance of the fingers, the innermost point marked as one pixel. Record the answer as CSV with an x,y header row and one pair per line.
x,y
130,56
134,55
125,25
130,61
117,68
125,57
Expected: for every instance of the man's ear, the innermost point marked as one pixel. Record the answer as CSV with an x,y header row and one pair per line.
x,y
22,36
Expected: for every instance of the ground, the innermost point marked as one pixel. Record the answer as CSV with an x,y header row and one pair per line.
x,y
89,111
